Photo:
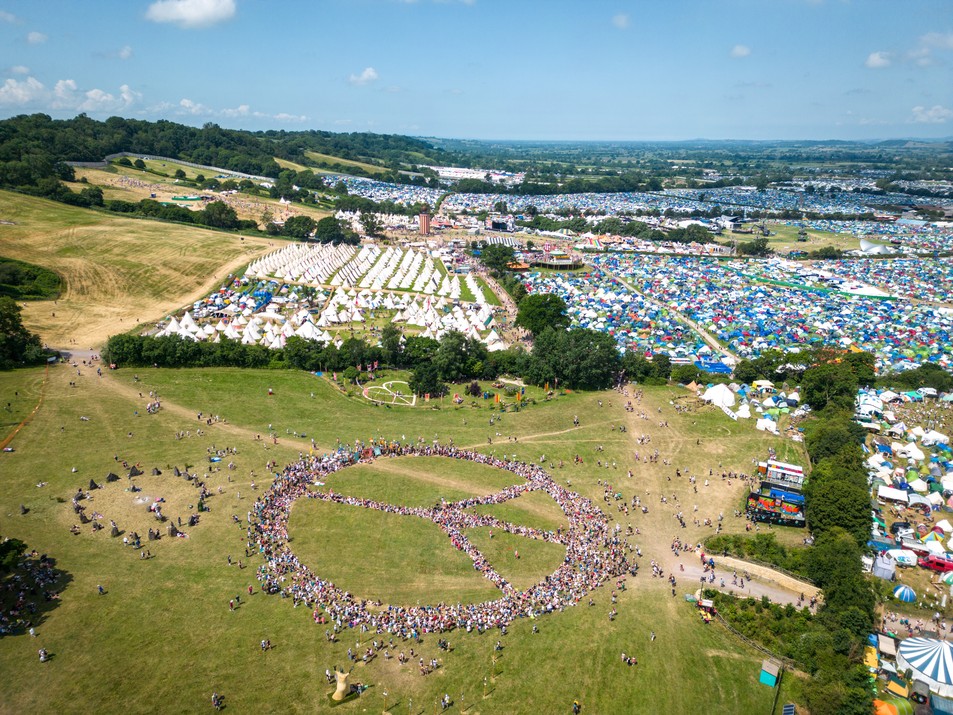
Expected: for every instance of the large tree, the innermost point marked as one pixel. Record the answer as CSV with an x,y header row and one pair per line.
x,y
220,215
425,380
332,230
497,257
578,358
18,346
371,224
540,311
299,227
829,383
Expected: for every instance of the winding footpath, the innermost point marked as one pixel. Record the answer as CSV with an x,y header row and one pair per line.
x,y
709,339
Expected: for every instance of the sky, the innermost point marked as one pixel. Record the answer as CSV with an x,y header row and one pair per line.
x,y
492,69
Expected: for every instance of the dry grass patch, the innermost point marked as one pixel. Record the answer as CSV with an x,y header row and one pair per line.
x,y
118,272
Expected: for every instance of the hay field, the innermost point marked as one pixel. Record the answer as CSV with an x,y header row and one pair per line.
x,y
130,184
118,272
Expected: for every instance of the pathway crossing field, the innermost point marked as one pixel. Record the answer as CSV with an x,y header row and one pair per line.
x,y
169,615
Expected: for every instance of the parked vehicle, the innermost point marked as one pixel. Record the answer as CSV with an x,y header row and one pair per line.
x,y
936,563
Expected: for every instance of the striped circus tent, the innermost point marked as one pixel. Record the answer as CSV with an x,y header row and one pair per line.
x,y
904,593
931,661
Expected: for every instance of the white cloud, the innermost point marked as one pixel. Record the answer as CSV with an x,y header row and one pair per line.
x,y
125,52
242,110
922,55
877,60
7,17
97,100
621,20
367,75
36,38
187,106
64,94
191,13
67,95
13,92
937,114
739,51
19,69
939,40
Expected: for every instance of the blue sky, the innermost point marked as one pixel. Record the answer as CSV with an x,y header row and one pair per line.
x,y
492,69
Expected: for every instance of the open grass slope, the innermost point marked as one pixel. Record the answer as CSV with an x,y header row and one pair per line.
x,y
419,481
130,184
163,636
116,270
330,160
784,238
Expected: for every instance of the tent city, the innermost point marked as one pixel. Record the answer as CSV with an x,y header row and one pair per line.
x,y
458,356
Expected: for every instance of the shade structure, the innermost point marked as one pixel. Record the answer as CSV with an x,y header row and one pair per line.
x,y
931,661
905,593
947,578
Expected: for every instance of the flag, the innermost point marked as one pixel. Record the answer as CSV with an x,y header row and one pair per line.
x,y
519,396
547,387
427,397
496,398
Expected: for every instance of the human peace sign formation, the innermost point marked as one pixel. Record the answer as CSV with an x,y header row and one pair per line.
x,y
593,554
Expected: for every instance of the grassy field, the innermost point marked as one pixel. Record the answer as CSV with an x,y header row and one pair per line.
x,y
164,627
785,238
131,184
397,559
285,164
327,158
117,271
534,509
419,481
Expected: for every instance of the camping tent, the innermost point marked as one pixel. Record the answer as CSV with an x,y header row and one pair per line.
x,y
885,567
720,396
891,494
931,661
905,594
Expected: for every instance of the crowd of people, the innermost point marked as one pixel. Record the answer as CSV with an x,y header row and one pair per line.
x,y
593,553
33,582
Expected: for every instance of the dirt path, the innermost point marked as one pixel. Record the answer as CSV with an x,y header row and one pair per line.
x,y
706,336
29,418
241,433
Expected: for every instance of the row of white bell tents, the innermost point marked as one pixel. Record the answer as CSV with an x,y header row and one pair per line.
x,y
400,269
300,262
263,328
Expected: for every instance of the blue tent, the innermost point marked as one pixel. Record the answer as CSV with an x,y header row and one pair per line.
x,y
905,594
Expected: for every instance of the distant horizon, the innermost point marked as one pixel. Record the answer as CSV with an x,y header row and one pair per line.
x,y
490,70
429,137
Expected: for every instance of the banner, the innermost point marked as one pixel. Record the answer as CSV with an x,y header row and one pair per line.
x,y
728,412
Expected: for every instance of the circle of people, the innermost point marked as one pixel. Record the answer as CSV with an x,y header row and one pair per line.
x,y
593,553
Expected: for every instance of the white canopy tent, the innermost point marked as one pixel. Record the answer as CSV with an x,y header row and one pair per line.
x,y
931,661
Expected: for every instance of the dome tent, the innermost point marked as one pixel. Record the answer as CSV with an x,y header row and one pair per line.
x,y
931,661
